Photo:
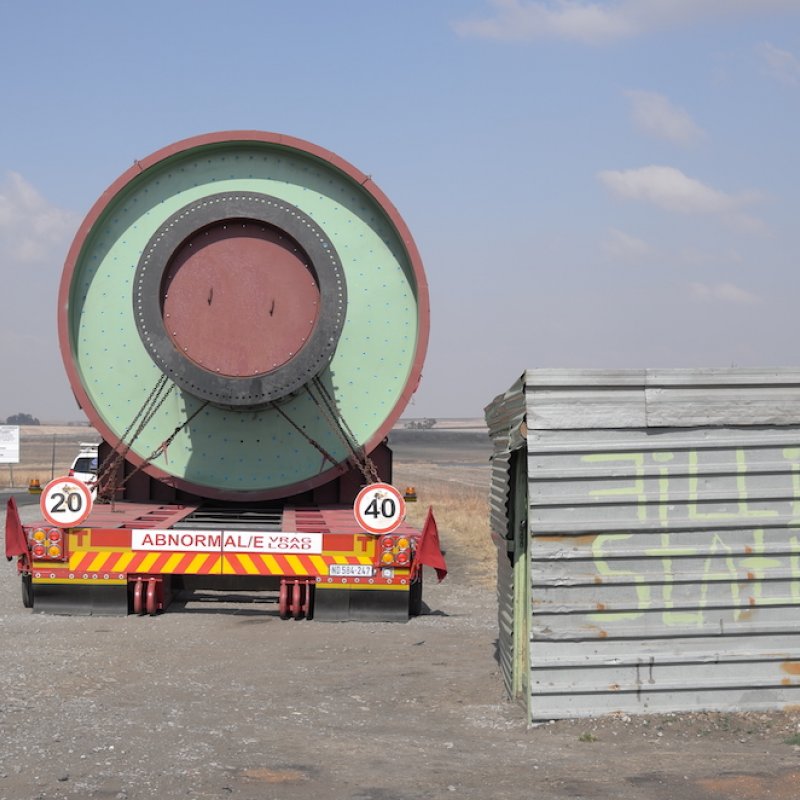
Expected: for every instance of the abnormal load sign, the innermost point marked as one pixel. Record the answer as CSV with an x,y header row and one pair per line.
x,y
226,541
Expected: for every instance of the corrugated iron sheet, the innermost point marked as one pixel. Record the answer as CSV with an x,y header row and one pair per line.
x,y
664,543
505,619
505,419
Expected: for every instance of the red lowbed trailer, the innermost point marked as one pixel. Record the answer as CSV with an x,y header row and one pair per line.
x,y
243,317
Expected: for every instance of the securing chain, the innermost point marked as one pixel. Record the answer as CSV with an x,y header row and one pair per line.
x,y
162,448
107,473
304,434
357,454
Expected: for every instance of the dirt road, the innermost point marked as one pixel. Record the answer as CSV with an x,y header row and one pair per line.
x,y
221,699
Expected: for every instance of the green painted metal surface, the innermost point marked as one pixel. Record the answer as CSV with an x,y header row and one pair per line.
x,y
248,450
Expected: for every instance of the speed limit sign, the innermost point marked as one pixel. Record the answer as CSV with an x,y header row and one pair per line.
x,y
379,508
66,502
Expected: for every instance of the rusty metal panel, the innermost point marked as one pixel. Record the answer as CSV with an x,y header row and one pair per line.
x,y
505,619
559,398
664,540
722,397
505,419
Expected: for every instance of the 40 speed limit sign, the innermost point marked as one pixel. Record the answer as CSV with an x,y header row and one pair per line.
x,y
379,508
66,502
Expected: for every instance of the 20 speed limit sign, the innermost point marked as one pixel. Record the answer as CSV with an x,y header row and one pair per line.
x,y
66,502
379,508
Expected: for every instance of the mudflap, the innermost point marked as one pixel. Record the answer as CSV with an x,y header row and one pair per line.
x,y
100,601
415,597
366,605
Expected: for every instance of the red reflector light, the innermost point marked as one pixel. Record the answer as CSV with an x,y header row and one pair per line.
x,y
387,543
38,551
54,535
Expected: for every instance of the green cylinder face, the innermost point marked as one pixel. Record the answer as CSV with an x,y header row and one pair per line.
x,y
272,287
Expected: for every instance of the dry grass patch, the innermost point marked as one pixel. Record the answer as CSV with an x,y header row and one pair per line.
x,y
462,515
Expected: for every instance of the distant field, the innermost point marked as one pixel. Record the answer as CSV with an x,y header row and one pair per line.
x,y
449,423
449,468
45,452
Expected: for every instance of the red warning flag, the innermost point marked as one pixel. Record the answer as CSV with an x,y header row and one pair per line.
x,y
16,543
429,551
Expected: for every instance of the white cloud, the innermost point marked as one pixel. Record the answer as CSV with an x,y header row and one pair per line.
x,y
696,257
32,231
620,246
656,115
722,293
567,20
672,190
779,64
603,21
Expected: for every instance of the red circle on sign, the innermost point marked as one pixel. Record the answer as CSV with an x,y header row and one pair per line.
x,y
379,508
239,298
58,509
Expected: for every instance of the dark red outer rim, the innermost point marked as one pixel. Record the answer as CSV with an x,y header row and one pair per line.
x,y
289,142
82,488
377,531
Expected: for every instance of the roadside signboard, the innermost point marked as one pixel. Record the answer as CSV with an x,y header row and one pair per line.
x,y
9,444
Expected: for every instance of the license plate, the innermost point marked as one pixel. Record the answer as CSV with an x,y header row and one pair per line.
x,y
350,570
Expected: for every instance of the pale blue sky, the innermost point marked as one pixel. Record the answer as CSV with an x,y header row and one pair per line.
x,y
597,184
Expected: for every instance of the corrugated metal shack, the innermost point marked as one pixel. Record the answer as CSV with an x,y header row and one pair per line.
x,y
648,531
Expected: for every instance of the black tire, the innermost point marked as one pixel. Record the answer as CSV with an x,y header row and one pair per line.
x,y
415,597
27,591
311,591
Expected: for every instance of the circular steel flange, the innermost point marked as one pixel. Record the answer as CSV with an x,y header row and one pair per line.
x,y
240,298
248,453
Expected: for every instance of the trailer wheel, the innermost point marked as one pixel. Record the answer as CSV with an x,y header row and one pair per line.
x,y
308,606
138,598
297,600
27,591
283,600
151,600
415,597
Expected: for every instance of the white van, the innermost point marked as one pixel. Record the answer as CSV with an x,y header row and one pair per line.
x,y
84,467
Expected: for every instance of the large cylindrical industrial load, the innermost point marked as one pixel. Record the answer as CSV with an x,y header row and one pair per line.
x,y
241,311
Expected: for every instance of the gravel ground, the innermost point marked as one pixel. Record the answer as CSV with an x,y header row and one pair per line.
x,y
219,699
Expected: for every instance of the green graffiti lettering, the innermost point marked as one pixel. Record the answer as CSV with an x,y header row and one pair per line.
x,y
792,455
794,567
666,551
743,509
758,564
730,574
663,487
642,589
637,490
